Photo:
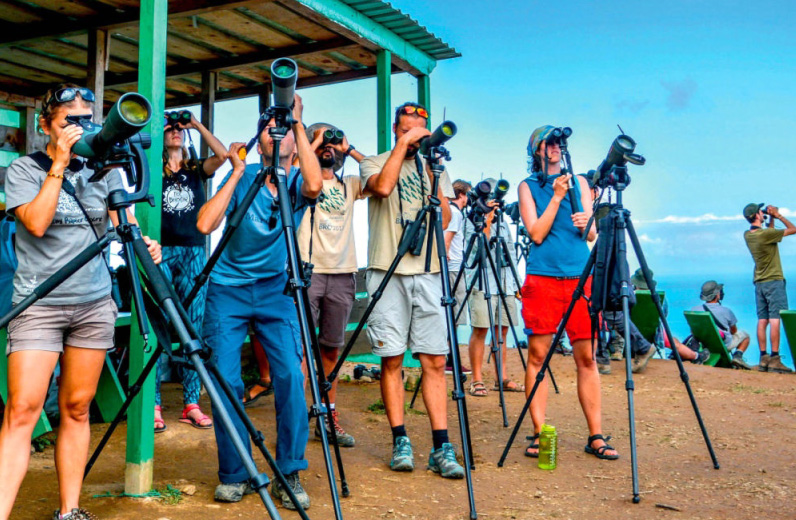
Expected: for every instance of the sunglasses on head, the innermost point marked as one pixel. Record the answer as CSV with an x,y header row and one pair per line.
x,y
411,109
68,94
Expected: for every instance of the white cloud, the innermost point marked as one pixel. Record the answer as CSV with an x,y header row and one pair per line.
x,y
646,239
707,218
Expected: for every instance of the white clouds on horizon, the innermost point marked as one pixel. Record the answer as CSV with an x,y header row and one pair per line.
x,y
706,218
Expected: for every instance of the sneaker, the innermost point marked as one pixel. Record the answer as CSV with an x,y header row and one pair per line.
x,y
443,461
344,440
402,457
617,348
702,356
233,491
738,362
561,349
775,365
764,361
641,361
604,369
75,514
465,370
295,485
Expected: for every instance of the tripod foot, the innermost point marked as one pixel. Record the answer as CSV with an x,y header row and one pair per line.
x,y
636,499
716,466
346,491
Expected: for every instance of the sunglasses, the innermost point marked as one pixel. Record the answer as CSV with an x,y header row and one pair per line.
x,y
68,94
411,109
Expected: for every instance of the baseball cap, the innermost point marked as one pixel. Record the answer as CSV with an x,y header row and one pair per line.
x,y
537,136
710,290
751,209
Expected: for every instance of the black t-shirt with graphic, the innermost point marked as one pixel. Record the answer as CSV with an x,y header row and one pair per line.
x,y
183,195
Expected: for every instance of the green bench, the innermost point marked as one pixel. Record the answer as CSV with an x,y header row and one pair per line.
x,y
110,394
789,324
644,314
705,330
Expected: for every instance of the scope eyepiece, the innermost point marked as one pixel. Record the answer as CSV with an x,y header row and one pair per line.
x,y
284,75
440,136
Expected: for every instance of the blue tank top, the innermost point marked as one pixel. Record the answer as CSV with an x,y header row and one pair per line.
x,y
562,252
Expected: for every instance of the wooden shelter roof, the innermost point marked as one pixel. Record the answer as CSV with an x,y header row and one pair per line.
x,y
47,41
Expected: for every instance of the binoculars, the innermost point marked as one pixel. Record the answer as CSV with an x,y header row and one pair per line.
x,y
332,136
373,372
176,119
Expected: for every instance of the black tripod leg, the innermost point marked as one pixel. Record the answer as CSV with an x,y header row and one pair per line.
x,y
417,390
559,333
256,435
681,367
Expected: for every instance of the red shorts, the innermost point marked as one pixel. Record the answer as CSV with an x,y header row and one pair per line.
x,y
544,302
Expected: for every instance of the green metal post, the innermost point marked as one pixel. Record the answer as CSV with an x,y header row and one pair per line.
x,y
384,99
424,93
152,85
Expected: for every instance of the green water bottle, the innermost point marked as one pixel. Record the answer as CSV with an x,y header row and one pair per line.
x,y
548,447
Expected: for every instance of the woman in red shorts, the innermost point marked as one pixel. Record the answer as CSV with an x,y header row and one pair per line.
x,y
557,258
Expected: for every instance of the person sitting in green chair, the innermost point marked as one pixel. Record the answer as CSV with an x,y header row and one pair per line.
x,y
735,339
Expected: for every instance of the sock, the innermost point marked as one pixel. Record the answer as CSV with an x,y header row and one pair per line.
x,y
398,431
774,353
331,406
763,353
439,437
67,515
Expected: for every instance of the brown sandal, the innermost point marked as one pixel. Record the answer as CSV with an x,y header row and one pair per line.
x,y
477,389
509,386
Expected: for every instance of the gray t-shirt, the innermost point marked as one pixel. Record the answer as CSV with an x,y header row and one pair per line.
x,y
724,317
456,250
67,235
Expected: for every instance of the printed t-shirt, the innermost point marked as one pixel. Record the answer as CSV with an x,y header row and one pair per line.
x,y
183,196
385,217
257,249
67,235
762,243
333,249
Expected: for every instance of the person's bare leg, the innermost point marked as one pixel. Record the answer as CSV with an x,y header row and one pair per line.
x,y
329,357
434,388
685,352
80,372
774,333
761,334
392,389
263,367
28,379
538,346
589,389
744,345
477,345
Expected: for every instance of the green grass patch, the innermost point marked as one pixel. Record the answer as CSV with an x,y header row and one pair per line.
x,y
777,404
169,495
43,442
748,389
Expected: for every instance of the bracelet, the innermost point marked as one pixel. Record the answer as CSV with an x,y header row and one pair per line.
x,y
350,149
55,175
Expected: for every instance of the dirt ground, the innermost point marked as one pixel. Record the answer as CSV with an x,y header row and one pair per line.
x,y
750,416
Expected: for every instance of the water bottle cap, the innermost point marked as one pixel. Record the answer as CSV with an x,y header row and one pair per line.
x,y
548,428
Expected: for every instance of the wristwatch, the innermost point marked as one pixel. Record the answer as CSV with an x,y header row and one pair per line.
x,y
350,149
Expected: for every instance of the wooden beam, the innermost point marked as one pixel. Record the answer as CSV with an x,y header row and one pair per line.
x,y
339,17
209,87
117,80
98,47
59,27
383,100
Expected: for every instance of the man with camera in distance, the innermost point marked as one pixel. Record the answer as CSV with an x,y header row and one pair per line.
x,y
770,292
409,314
557,258
247,287
454,245
326,240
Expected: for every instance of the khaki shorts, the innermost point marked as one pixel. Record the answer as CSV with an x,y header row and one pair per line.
x,y
50,327
479,314
331,300
738,338
461,296
409,314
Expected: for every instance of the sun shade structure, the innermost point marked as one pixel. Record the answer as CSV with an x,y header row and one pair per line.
x,y
186,52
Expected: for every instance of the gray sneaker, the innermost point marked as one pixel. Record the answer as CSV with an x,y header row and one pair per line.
x,y
738,362
295,485
764,360
443,461
702,356
775,365
75,514
641,361
232,492
402,457
604,369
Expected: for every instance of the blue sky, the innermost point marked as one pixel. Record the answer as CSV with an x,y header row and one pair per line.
x,y
705,87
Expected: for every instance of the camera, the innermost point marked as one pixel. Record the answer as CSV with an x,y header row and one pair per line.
x,y
416,245
513,211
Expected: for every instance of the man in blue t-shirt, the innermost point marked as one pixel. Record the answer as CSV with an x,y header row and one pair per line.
x,y
246,288
735,339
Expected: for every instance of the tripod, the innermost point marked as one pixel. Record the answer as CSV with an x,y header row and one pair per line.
x,y
297,285
607,258
135,249
412,234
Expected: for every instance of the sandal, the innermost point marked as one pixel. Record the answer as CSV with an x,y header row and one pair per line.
x,y
532,446
510,386
203,423
160,426
477,389
600,452
249,399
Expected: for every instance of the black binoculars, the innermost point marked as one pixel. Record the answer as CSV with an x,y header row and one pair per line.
x,y
332,136
176,119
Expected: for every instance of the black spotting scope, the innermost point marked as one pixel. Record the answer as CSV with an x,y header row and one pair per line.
x,y
127,117
620,153
284,74
441,135
501,188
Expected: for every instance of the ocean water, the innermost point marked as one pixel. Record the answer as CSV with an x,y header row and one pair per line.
x,y
682,293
